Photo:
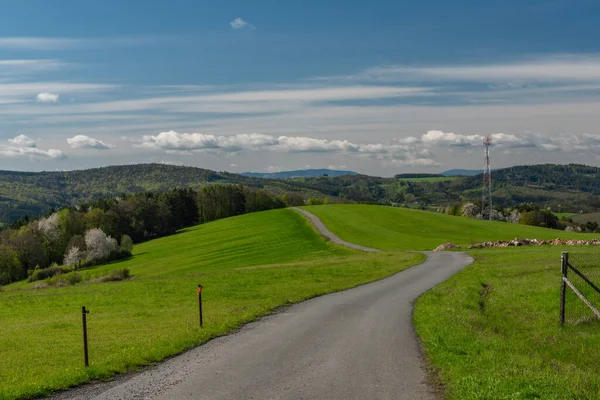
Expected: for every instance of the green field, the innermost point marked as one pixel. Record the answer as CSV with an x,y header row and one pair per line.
x,y
249,265
492,330
389,228
583,218
431,179
564,214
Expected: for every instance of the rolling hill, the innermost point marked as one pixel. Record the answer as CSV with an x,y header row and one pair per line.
x,y
564,188
391,228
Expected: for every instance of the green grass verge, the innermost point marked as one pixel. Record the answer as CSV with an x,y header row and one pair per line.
x,y
389,228
492,330
249,265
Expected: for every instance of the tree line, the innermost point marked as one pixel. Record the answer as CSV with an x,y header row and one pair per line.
x,y
106,229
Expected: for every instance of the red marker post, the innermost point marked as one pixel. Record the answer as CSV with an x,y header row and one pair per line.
x,y
199,293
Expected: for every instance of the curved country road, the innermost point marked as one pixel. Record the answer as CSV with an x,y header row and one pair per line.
x,y
330,235
355,344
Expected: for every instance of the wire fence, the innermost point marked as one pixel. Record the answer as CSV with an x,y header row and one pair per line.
x,y
580,292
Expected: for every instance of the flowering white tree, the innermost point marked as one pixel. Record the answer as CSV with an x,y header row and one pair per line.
x,y
50,228
470,210
99,245
73,256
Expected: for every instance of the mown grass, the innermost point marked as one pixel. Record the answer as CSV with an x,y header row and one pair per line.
x,y
390,228
492,331
248,265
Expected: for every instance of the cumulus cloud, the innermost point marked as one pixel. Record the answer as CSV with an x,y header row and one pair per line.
x,y
563,142
239,23
25,146
46,97
459,140
190,143
234,166
86,142
23,141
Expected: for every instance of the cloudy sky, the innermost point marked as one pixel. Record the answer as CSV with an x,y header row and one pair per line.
x,y
380,86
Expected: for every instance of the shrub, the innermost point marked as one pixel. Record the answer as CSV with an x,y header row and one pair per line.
x,y
126,244
71,278
54,270
115,276
10,267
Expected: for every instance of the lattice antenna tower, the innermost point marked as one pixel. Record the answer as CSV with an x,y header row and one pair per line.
x,y
486,199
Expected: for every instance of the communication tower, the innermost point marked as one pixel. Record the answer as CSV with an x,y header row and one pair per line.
x,y
486,198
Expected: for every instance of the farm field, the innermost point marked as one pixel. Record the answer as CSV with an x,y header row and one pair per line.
x,y
249,265
431,179
583,218
389,228
494,328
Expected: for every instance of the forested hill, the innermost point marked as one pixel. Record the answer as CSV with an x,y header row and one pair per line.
x,y
34,193
564,187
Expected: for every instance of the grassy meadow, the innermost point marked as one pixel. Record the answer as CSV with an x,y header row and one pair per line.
x,y
431,179
248,265
492,331
390,228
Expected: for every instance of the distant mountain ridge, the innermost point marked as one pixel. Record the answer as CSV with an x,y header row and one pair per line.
x,y
564,188
300,173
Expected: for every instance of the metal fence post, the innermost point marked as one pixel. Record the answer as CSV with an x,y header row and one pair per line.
x,y
200,303
564,262
84,313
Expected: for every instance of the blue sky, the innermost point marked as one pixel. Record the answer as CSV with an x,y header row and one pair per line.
x,y
380,87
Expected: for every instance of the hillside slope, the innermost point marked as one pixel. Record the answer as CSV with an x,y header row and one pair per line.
x,y
390,228
248,265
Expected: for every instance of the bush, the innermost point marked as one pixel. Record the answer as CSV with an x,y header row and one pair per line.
x,y
10,267
126,244
539,218
115,276
54,270
64,280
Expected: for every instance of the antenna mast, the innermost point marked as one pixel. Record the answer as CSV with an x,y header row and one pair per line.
x,y
486,199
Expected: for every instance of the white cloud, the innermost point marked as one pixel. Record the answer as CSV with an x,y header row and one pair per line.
x,y
552,68
234,165
272,169
239,23
10,68
25,146
58,43
86,142
450,139
23,141
47,97
189,143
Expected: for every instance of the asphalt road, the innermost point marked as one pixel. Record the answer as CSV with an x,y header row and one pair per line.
x,y
355,344
330,235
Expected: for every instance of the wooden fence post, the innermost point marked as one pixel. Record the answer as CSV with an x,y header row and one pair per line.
x,y
564,262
